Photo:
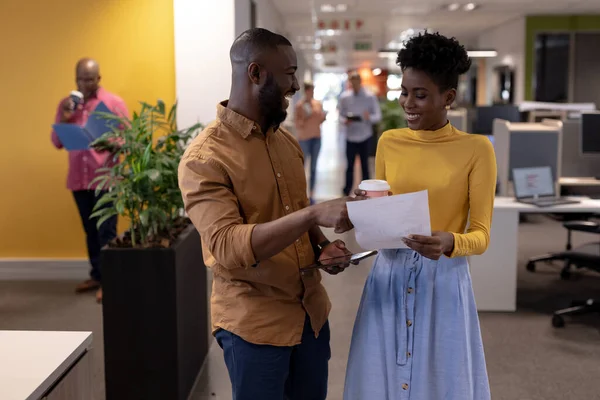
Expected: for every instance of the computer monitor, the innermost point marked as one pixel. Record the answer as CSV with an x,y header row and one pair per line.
x,y
533,182
485,115
590,133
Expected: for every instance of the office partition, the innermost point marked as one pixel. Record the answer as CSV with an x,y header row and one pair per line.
x,y
526,145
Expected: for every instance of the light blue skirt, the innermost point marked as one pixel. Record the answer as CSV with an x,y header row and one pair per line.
x,y
416,334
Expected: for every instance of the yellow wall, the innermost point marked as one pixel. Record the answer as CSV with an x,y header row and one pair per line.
x,y
40,42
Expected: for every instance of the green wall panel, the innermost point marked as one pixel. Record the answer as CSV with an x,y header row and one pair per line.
x,y
551,23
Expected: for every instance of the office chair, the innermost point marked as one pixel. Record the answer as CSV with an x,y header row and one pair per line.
x,y
567,256
586,256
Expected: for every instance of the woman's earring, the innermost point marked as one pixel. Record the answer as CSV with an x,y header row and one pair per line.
x,y
447,107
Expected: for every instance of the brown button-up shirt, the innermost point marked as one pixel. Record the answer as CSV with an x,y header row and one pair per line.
x,y
232,177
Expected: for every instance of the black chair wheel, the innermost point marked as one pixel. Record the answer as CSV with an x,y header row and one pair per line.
x,y
530,266
565,275
558,321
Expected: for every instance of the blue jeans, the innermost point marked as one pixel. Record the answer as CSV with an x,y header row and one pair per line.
x,y
276,373
311,149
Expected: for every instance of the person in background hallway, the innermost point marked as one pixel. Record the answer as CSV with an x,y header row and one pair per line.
x,y
359,110
416,334
243,184
84,163
309,116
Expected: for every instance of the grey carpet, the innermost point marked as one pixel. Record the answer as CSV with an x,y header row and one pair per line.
x,y
527,358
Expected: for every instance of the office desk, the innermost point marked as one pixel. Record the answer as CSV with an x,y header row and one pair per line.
x,y
494,274
587,181
579,186
39,365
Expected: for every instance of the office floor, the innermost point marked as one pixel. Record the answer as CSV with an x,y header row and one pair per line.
x,y
527,358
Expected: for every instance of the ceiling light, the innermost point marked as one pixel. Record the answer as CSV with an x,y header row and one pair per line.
x,y
377,71
341,7
453,6
482,53
470,6
318,56
327,8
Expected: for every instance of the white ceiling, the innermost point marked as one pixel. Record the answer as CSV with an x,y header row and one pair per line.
x,y
385,20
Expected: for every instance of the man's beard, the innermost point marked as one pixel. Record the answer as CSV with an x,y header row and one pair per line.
x,y
270,100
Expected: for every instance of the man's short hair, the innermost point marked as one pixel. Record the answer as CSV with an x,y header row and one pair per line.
x,y
251,44
354,75
308,85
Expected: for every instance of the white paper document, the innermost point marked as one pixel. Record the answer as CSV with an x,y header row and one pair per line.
x,y
381,223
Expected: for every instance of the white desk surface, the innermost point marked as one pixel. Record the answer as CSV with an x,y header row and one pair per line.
x,y
586,205
31,361
583,181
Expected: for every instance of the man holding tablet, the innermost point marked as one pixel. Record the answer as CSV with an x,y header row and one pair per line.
x,y
244,188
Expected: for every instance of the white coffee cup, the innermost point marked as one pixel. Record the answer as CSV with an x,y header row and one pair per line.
x,y
375,188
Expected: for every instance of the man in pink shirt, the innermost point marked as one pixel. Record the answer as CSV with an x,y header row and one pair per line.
x,y
309,116
84,163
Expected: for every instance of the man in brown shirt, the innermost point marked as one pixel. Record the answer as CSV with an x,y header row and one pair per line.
x,y
244,188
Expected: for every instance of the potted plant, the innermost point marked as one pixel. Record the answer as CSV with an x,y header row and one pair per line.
x,y
153,277
392,115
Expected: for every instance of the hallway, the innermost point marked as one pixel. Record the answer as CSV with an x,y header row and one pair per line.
x,y
331,165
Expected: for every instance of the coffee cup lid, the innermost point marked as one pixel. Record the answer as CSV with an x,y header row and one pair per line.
x,y
374,185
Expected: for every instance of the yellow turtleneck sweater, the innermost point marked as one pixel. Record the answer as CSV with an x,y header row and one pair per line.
x,y
457,169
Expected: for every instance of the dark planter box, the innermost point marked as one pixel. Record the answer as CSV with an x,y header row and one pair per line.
x,y
155,319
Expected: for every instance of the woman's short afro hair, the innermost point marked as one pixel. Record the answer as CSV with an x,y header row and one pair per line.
x,y
442,58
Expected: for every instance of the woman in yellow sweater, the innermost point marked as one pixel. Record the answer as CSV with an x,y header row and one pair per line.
x,y
416,334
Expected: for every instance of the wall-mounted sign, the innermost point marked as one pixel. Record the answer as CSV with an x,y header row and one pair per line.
x,y
341,24
361,45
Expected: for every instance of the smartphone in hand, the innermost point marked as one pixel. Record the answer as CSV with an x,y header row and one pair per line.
x,y
349,259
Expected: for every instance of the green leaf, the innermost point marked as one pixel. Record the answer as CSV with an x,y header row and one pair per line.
x,y
144,216
104,218
153,174
100,181
105,202
120,207
161,107
101,213
146,156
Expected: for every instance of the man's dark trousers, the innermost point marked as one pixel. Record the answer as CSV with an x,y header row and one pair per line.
x,y
352,150
276,373
96,238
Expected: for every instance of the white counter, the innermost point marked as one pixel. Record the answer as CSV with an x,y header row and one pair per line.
x,y
31,362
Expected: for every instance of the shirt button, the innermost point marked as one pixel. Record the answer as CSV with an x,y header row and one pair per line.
x,y
405,386
278,175
287,208
410,290
408,354
409,323
84,158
